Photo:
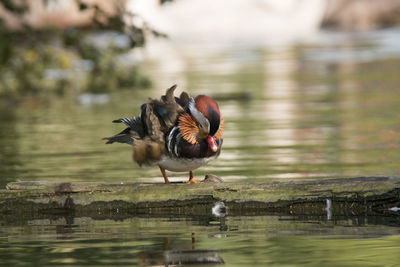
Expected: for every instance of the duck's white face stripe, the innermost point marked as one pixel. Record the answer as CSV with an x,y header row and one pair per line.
x,y
199,117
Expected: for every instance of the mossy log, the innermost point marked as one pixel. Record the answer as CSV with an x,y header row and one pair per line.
x,y
341,196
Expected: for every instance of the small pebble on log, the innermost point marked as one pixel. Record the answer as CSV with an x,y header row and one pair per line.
x,y
211,178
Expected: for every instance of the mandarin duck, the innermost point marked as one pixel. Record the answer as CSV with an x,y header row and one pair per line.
x,y
177,134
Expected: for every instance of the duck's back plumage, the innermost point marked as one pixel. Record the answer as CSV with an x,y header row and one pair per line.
x,y
147,131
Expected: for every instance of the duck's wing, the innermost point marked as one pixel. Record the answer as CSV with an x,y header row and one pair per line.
x,y
183,100
161,115
157,118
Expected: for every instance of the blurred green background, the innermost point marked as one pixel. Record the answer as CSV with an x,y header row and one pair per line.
x,y
308,89
305,91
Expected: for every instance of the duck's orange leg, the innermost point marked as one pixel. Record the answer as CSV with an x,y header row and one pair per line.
x,y
164,175
191,179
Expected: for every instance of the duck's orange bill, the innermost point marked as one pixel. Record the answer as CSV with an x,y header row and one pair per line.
x,y
212,143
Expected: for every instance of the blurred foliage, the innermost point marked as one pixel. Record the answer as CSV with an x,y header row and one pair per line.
x,y
50,60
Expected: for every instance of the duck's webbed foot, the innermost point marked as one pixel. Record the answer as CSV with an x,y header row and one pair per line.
x,y
191,179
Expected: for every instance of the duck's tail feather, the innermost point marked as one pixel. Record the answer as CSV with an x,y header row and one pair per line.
x,y
134,131
122,137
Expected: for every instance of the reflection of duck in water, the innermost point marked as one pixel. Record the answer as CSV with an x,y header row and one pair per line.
x,y
177,134
178,257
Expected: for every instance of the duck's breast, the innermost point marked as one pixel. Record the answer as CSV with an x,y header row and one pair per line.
x,y
183,164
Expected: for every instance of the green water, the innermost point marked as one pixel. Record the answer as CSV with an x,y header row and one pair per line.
x,y
236,241
307,111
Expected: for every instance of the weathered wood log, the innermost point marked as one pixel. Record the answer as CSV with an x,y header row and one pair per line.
x,y
341,196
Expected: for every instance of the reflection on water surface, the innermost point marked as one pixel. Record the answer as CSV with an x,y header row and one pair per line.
x,y
235,241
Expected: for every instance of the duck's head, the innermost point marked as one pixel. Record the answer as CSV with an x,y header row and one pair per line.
x,y
202,122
